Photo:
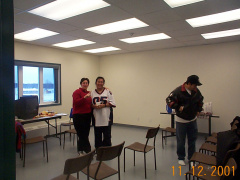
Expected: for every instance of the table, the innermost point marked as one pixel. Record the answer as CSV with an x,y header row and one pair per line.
x,y
46,119
209,121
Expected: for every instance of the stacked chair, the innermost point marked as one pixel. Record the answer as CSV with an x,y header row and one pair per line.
x,y
220,150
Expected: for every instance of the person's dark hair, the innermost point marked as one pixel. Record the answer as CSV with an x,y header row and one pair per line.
x,y
99,77
84,79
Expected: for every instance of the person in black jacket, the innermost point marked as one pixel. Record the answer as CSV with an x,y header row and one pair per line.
x,y
187,101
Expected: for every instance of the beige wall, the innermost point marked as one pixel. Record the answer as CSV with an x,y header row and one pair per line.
x,y
74,66
141,81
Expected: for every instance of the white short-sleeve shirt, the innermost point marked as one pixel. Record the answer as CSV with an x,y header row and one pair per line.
x,y
102,115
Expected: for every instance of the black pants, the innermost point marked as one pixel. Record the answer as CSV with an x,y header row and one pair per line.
x,y
102,136
82,125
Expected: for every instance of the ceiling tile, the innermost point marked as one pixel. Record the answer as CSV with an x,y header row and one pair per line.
x,y
19,27
30,4
94,18
160,17
140,7
156,13
31,19
58,27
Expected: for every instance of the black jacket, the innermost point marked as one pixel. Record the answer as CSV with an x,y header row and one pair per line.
x,y
192,103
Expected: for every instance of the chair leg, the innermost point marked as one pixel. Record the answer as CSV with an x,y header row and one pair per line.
x,y
46,149
124,160
162,140
60,134
70,133
43,149
24,153
165,138
88,172
21,153
145,165
73,138
64,140
77,143
134,157
118,168
155,159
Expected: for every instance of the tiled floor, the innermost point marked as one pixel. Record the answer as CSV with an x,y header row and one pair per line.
x,y
37,167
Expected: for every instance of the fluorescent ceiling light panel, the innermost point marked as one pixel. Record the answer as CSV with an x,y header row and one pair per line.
x,y
74,43
123,25
105,49
215,18
62,9
152,37
220,34
34,34
177,3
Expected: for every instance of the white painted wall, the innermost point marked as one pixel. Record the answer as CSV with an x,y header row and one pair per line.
x,y
141,81
74,66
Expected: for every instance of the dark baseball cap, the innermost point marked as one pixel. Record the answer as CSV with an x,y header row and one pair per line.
x,y
193,79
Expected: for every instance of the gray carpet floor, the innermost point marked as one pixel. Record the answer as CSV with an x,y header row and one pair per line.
x,y
37,168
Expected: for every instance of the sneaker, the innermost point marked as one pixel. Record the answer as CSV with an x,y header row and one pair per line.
x,y
191,164
181,162
81,153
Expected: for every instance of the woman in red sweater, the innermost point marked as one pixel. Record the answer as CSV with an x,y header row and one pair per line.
x,y
82,115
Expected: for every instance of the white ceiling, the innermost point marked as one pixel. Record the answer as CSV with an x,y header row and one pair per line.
x,y
156,13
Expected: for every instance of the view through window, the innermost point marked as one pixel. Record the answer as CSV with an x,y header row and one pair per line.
x,y
41,79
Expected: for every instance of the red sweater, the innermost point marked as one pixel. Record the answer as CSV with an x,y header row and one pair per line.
x,y
80,104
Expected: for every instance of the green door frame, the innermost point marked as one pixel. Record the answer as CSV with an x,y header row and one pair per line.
x,y
7,122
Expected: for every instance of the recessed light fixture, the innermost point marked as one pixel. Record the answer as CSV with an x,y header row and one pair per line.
x,y
123,25
74,43
62,9
177,3
34,34
152,37
219,34
215,18
105,49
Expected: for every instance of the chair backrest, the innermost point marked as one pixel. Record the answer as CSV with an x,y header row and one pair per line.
x,y
231,153
152,132
70,115
74,165
109,152
231,165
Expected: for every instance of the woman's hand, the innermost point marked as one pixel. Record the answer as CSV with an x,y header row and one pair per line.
x,y
87,95
100,106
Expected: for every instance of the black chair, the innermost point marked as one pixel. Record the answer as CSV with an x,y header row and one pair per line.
x,y
144,148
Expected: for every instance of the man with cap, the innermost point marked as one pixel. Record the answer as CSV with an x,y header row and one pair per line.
x,y
187,101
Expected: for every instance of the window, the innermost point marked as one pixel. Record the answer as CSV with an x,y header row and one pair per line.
x,y
41,79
